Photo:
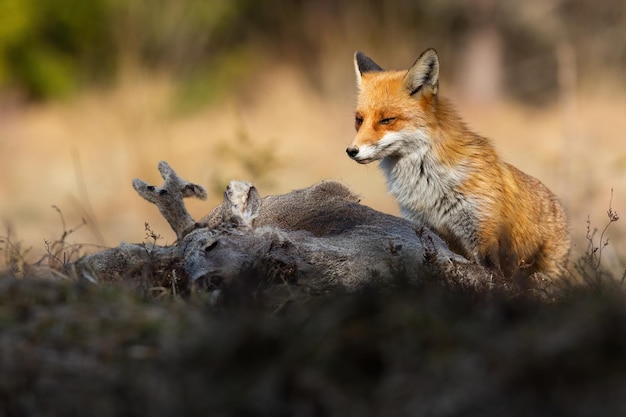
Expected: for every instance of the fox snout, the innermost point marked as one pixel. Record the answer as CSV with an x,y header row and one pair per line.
x,y
357,155
364,154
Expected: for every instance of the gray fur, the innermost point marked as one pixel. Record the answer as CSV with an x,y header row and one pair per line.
x,y
319,238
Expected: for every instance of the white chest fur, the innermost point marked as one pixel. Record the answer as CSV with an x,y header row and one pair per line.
x,y
427,191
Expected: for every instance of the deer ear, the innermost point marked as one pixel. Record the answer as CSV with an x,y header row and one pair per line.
x,y
241,203
423,76
253,205
363,64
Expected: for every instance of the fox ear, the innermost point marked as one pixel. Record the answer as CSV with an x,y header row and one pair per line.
x,y
363,64
423,76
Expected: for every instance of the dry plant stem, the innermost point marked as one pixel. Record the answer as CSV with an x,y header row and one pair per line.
x,y
169,198
54,249
52,255
66,231
595,253
14,255
83,199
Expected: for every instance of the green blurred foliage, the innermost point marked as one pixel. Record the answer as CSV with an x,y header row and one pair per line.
x,y
46,46
49,48
206,83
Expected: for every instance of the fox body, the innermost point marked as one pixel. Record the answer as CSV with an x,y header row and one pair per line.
x,y
451,179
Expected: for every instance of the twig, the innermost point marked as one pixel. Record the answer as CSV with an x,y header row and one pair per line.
x,y
84,201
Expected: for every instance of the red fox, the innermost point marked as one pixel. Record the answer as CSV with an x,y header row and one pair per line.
x,y
451,179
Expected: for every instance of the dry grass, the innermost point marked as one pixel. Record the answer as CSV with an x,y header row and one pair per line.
x,y
81,155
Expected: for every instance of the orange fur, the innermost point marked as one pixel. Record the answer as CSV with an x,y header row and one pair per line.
x,y
452,179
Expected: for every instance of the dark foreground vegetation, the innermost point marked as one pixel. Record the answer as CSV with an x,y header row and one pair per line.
x,y
75,348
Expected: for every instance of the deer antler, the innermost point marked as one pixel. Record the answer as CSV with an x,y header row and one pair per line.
x,y
169,198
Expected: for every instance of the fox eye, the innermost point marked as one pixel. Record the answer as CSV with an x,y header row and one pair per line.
x,y
358,121
387,121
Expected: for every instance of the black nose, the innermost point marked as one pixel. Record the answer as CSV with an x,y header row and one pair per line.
x,y
352,152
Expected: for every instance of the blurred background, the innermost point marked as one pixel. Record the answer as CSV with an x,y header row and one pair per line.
x,y
95,93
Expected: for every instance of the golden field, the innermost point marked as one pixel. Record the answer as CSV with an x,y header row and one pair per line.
x,y
280,133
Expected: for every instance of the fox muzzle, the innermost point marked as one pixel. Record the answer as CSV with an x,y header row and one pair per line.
x,y
352,152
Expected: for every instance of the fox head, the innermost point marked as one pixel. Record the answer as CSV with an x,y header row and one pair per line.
x,y
393,107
